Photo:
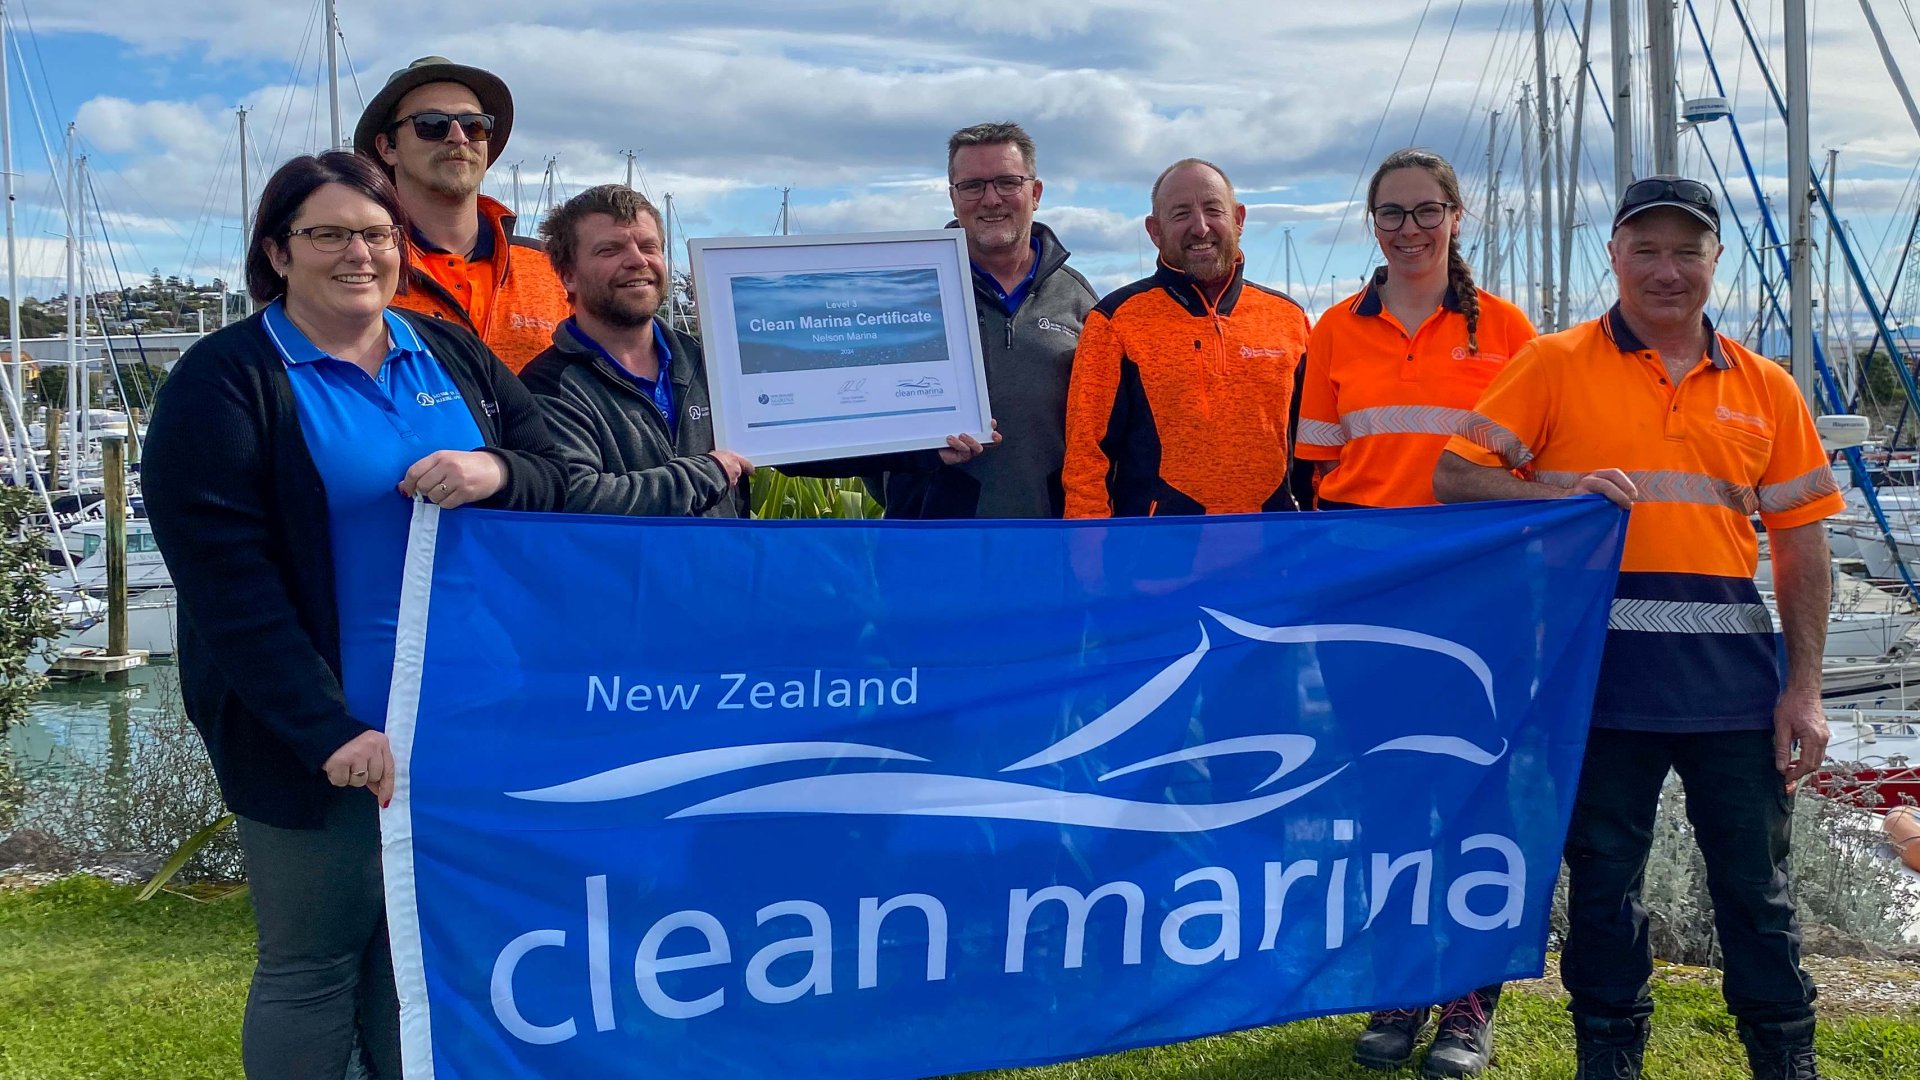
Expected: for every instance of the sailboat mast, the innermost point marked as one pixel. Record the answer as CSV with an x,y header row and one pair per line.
x,y
73,254
333,70
1490,255
1660,86
666,222
15,383
1545,127
1529,295
1622,49
1834,355
246,205
1799,202
1570,183
80,420
783,209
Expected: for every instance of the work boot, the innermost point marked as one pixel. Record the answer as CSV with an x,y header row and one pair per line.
x,y
1780,1051
1463,1044
1390,1037
1607,1049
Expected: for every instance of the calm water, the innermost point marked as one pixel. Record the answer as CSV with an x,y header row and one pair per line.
x,y
80,730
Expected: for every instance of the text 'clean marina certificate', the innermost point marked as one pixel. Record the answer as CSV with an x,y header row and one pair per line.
x,y
839,346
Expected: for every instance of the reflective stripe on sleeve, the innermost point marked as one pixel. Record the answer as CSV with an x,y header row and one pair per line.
x,y
1406,420
1792,494
1688,617
1673,486
1490,436
1321,433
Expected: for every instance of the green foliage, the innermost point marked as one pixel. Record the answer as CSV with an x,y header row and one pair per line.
x,y
183,855
776,495
50,382
36,319
27,604
138,383
1883,385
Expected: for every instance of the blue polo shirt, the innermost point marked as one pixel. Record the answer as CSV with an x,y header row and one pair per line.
x,y
364,433
1010,300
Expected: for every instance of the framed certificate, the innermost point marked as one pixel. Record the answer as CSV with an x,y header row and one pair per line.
x,y
837,346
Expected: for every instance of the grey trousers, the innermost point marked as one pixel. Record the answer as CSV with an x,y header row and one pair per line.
x,y
324,973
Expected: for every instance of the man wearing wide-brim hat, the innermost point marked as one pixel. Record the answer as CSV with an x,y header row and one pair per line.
x,y
437,126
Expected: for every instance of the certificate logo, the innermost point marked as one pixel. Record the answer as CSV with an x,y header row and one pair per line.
x,y
776,399
924,386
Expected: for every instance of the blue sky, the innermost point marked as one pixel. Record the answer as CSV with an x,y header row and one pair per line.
x,y
848,103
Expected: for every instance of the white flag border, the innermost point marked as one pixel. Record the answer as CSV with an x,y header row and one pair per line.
x,y
396,821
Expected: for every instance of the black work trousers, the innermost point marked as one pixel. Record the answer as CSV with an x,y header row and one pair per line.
x,y
1742,818
325,975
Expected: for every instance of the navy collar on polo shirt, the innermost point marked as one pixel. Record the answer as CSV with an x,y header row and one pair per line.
x,y
296,348
1627,341
482,244
659,391
1010,300
1371,303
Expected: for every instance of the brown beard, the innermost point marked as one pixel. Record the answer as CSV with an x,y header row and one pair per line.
x,y
605,305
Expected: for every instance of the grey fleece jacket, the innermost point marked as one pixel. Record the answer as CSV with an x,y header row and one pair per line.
x,y
1029,357
618,457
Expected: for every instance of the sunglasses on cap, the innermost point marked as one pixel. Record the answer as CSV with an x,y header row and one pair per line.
x,y
1690,195
433,126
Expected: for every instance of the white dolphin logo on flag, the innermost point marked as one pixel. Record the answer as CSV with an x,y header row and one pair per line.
x,y
945,795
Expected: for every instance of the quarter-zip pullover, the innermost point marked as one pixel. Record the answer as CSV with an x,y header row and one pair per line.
x,y
1180,403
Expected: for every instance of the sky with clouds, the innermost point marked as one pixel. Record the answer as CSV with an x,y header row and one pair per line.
x,y
848,103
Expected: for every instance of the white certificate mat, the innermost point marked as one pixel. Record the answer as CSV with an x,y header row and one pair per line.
x,y
837,346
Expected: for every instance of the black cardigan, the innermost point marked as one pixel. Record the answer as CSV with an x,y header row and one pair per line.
x,y
240,513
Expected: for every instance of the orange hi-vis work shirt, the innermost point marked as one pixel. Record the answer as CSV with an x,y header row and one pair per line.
x,y
508,293
1689,644
1180,405
1380,403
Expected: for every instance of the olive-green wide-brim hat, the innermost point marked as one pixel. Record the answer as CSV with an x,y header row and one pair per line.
x,y
486,86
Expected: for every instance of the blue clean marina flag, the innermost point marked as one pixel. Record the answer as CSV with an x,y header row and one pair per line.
x,y
834,801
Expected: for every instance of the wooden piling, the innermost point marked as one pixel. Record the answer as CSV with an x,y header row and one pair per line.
x,y
113,476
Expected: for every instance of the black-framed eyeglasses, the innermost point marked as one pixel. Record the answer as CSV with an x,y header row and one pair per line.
x,y
433,126
338,237
1006,186
1659,189
1389,217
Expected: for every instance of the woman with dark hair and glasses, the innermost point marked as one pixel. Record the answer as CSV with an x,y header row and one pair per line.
x,y
283,457
1392,372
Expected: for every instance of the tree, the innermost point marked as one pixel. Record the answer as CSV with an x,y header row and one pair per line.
x,y
28,606
139,382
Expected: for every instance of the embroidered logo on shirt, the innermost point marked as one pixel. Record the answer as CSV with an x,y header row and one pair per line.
x,y
522,322
430,400
1248,351
1045,323
1461,352
1758,424
697,412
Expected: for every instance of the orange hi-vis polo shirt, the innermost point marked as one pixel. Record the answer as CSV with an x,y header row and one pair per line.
x,y
1690,646
1380,403
507,293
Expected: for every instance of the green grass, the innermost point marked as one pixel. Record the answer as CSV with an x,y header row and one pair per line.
x,y
95,986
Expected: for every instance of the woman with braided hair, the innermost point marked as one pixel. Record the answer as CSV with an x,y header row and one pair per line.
x,y
1394,368
1392,372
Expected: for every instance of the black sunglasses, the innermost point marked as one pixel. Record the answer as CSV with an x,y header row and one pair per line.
x,y
1664,189
433,126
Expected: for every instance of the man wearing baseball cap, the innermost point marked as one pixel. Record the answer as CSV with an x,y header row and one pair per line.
x,y
1651,408
437,126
